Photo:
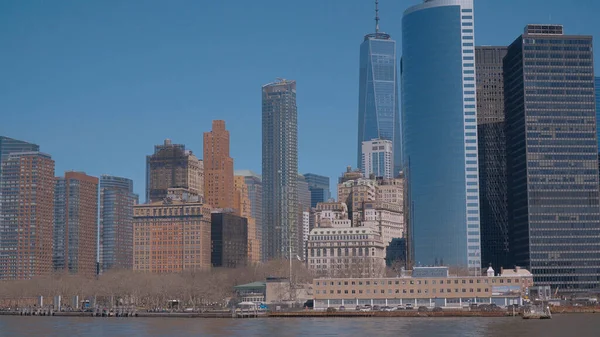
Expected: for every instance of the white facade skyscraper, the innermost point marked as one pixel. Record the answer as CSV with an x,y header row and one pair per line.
x,y
378,158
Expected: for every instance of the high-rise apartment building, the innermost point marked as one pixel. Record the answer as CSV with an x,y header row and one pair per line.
x,y
172,235
492,156
378,104
218,167
76,224
229,240
253,182
243,207
377,159
552,158
27,208
10,145
319,188
115,232
597,86
280,170
439,118
172,166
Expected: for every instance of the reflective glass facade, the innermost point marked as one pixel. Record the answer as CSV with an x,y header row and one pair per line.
x,y
378,105
552,159
116,222
319,188
440,133
492,156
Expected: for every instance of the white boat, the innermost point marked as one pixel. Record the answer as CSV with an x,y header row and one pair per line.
x,y
537,312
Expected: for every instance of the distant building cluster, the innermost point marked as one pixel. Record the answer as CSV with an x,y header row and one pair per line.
x,y
489,160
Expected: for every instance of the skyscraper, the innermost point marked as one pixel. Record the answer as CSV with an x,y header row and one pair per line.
x,y
116,223
378,158
9,145
492,156
597,86
378,105
440,132
27,206
552,158
75,224
172,166
243,207
280,169
319,188
218,167
253,182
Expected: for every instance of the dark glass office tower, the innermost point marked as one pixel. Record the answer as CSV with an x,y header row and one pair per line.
x,y
552,158
319,188
280,170
378,105
492,156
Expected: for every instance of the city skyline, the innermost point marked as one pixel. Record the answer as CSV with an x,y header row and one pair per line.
x,y
148,102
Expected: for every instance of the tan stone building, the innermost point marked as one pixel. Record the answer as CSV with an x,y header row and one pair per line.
x,y
423,286
218,167
243,207
386,218
172,166
347,251
354,193
331,214
172,235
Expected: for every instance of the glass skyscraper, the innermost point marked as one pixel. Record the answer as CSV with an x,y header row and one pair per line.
x,y
378,116
319,188
280,170
492,156
439,119
552,158
116,222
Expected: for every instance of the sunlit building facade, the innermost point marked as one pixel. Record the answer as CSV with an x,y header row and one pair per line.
x,y
439,117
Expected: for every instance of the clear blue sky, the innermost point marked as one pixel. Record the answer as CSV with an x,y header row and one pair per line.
x,y
98,83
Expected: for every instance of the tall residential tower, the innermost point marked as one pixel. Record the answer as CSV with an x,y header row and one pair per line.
x,y
115,249
280,170
27,207
439,118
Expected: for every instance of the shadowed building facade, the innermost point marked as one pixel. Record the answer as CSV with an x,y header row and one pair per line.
x,y
116,222
492,156
172,166
229,240
76,224
552,158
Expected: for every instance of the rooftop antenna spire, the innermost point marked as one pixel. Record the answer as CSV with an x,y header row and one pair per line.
x,y
376,17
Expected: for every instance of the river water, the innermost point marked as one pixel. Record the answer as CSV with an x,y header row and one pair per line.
x,y
574,325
